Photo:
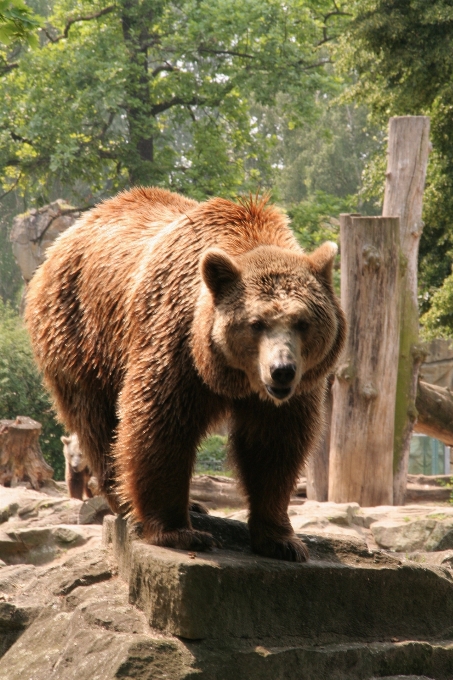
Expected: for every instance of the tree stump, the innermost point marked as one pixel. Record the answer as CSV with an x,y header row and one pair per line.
x,y
361,450
408,150
21,459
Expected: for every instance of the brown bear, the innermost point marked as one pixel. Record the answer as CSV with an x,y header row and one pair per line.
x,y
154,317
77,472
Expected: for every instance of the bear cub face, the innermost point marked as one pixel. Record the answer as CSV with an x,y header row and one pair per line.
x,y
73,454
272,307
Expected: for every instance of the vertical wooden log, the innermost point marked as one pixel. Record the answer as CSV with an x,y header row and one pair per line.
x,y
361,451
317,469
408,149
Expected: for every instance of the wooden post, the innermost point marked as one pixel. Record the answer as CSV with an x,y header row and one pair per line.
x,y
317,468
408,149
20,454
361,453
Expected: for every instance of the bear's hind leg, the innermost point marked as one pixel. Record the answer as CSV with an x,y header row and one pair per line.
x,y
270,444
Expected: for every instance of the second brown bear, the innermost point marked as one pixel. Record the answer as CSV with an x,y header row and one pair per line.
x,y
155,316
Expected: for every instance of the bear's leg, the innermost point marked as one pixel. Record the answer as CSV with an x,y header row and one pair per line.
x,y
270,444
74,481
155,453
87,493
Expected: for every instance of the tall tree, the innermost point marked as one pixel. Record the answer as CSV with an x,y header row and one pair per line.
x,y
158,92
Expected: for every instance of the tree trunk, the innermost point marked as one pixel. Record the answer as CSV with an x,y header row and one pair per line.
x,y
21,459
317,467
408,149
435,412
361,452
136,20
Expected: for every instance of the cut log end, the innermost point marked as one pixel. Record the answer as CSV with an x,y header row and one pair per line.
x,y
435,412
21,458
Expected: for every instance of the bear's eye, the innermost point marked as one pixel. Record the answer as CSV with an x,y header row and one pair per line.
x,y
302,325
258,326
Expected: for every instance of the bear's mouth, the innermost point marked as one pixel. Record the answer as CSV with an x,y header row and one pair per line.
x,y
278,392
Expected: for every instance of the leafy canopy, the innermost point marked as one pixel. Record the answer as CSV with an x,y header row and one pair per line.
x,y
153,92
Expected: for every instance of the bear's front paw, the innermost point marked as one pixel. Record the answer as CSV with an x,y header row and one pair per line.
x,y
291,549
184,539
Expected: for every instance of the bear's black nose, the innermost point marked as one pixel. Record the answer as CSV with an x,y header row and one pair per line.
x,y
283,374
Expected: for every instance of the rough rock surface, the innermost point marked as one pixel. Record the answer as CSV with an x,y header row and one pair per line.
x,y
34,231
403,529
37,528
70,609
177,615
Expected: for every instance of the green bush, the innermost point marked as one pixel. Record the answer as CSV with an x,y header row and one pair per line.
x,y
212,455
21,390
438,321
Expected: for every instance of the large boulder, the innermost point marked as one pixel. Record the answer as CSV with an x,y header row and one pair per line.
x,y
34,231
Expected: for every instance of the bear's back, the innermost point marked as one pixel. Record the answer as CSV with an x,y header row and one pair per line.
x,y
76,300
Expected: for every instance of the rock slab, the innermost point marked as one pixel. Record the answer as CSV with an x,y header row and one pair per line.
x,y
334,597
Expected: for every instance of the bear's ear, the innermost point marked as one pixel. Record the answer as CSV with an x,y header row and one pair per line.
x,y
65,440
219,272
323,258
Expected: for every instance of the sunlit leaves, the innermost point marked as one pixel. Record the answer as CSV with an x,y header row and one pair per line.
x,y
18,23
160,92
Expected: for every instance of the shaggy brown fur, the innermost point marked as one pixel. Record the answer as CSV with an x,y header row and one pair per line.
x,y
149,321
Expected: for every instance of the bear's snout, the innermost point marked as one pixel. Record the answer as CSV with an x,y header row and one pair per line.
x,y
77,463
283,374
280,363
282,378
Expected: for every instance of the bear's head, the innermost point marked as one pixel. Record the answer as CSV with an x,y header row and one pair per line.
x,y
73,454
273,322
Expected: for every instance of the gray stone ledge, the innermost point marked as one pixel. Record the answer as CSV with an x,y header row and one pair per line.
x,y
336,597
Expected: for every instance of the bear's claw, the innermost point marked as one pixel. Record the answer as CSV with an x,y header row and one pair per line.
x,y
289,549
185,539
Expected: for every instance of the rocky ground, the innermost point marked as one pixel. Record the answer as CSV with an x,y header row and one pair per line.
x,y
39,527
65,613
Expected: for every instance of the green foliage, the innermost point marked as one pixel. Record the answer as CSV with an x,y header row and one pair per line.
x,y
212,455
325,153
21,389
312,219
437,322
159,93
18,23
11,281
321,163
